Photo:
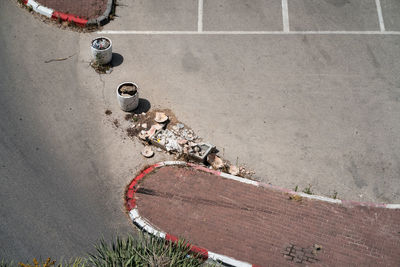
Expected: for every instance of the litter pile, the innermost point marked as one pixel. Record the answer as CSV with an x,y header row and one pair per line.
x,y
167,133
101,44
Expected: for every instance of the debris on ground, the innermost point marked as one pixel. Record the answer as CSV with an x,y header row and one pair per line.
x,y
101,69
100,44
162,129
147,152
59,59
215,161
161,117
234,170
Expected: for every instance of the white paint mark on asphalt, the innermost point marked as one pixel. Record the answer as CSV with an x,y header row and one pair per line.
x,y
251,32
285,15
380,16
200,17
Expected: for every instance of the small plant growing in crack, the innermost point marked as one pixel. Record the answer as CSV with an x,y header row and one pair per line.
x,y
307,190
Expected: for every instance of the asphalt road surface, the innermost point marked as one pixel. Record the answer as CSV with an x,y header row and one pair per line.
x,y
63,167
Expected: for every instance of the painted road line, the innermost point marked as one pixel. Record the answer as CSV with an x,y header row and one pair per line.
x,y
380,16
285,16
250,32
200,17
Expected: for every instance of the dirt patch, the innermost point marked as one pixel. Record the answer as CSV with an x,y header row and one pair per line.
x,y
128,90
148,119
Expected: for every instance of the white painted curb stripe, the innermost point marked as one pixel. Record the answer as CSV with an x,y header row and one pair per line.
x,y
239,179
45,11
321,198
392,206
255,183
134,214
228,260
48,12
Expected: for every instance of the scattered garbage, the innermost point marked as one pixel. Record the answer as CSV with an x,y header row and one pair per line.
x,y
215,161
234,170
100,43
166,133
161,117
166,140
147,152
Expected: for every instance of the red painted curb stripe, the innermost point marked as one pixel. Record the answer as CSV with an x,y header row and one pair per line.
x,y
69,17
194,249
131,204
140,176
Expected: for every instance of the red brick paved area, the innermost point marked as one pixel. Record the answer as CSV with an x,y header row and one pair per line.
x,y
86,9
265,227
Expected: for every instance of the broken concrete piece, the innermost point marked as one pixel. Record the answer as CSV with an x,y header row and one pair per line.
x,y
151,132
143,135
234,170
161,117
158,126
147,152
180,125
182,141
215,161
144,125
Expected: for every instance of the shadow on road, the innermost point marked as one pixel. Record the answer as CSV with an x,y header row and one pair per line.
x,y
117,59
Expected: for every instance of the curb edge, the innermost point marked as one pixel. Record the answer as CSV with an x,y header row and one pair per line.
x,y
51,13
143,224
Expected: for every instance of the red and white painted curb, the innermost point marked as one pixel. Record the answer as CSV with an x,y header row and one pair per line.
x,y
50,13
146,226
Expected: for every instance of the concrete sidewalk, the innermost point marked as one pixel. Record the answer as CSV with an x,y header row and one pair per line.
x,y
263,226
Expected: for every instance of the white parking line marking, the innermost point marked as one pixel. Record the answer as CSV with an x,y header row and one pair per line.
x,y
380,16
251,32
285,15
200,17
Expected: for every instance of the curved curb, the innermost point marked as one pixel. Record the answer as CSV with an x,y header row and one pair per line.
x,y
51,13
143,224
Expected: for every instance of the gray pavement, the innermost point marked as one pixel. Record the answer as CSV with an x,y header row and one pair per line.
x,y
299,109
63,167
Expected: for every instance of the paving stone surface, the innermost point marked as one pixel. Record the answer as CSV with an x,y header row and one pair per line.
x,y
264,226
87,9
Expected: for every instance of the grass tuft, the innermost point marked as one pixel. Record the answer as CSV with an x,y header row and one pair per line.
x,y
144,251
